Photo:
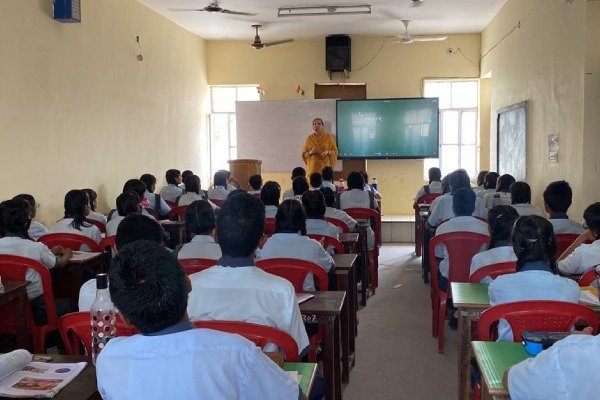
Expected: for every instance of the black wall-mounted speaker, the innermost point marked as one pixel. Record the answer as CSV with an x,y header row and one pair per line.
x,y
337,53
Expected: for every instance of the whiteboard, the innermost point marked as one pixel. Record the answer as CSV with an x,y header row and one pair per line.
x,y
274,131
512,141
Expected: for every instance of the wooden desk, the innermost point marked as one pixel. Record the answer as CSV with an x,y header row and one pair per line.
x,y
345,271
363,250
326,308
349,240
426,235
16,291
67,281
176,229
306,371
493,359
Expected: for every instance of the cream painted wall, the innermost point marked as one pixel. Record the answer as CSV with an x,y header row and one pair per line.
x,y
78,110
543,62
397,71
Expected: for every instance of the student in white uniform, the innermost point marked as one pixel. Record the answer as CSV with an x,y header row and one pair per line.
x,y
36,229
77,207
150,200
199,226
298,172
269,194
558,197
489,184
14,222
127,203
94,215
299,186
219,191
370,188
480,180
356,196
314,206
536,277
290,240
255,182
170,358
316,181
192,191
435,183
139,187
500,222
332,212
327,174
172,191
502,194
520,195
579,256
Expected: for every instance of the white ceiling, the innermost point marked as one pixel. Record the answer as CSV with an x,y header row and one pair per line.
x,y
432,17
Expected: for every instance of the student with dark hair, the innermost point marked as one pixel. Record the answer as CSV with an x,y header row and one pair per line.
x,y
480,180
489,184
434,185
185,173
172,191
558,197
192,191
368,187
127,203
502,194
356,196
581,256
255,182
93,215
36,229
536,277
180,361
77,207
314,206
327,174
316,181
151,199
500,222
14,223
220,189
332,212
269,194
297,172
290,240
200,222
520,197
299,185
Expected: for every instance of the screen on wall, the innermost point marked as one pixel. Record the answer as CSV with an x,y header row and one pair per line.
x,y
388,128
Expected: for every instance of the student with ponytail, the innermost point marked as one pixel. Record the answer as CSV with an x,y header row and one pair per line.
x,y
77,208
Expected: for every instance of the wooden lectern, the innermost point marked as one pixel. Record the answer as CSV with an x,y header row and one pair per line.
x,y
243,169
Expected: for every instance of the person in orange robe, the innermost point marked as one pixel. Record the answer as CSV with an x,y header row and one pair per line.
x,y
319,149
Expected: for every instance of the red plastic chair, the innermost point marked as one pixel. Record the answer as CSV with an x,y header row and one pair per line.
x,y
563,241
375,218
177,213
109,241
493,271
193,265
339,223
170,203
218,202
536,315
461,247
98,224
425,199
71,240
14,268
75,330
295,271
589,277
329,241
260,335
269,226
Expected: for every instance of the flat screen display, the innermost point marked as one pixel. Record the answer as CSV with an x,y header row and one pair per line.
x,y
388,128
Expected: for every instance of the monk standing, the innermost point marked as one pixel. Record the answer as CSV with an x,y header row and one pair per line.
x,y
319,149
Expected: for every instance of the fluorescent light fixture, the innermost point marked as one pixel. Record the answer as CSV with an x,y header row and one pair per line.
x,y
323,10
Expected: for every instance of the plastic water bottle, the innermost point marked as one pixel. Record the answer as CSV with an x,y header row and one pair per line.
x,y
374,184
341,186
102,316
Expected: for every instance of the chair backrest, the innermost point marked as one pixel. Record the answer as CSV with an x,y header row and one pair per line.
x,y
493,271
218,202
564,240
295,271
98,224
71,240
537,316
177,213
75,329
109,241
269,226
589,277
372,215
193,265
260,335
329,241
426,199
339,223
170,203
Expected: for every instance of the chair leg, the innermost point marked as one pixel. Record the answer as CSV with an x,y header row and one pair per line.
x,y
434,318
441,324
39,342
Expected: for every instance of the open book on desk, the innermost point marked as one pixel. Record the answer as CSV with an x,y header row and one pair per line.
x,y
20,376
83,256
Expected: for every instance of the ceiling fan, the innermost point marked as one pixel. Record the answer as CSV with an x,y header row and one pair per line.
x,y
213,7
258,44
416,3
407,39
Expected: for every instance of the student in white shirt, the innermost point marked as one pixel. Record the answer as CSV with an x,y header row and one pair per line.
x,y
192,191
199,226
299,186
580,256
36,229
298,172
170,358
500,222
435,183
369,188
220,189
139,187
480,180
520,195
150,199
256,183
314,206
172,191
536,277
127,203
558,197
327,174
489,184
502,194
356,196
316,181
332,212
94,215
269,194
77,207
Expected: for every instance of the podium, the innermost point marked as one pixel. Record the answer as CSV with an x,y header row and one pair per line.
x,y
243,169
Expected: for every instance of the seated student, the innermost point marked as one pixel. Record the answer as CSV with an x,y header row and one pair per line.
x,y
534,244
463,204
441,209
77,207
93,215
269,194
314,206
558,197
520,197
316,181
502,194
255,182
219,191
500,222
489,184
172,191
132,228
127,203
290,240
579,256
185,174
192,191
480,180
356,196
435,183
368,187
36,229
14,222
235,289
151,199
297,172
170,358
299,185
327,174
200,225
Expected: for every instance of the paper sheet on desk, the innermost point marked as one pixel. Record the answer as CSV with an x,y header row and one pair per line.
x,y
295,376
80,256
589,298
302,297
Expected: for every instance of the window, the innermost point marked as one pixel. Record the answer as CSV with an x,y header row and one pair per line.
x,y
458,124
223,135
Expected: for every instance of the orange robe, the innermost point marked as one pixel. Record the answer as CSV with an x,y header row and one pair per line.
x,y
320,142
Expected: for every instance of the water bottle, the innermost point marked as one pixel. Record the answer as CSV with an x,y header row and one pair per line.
x,y
374,184
341,187
102,316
